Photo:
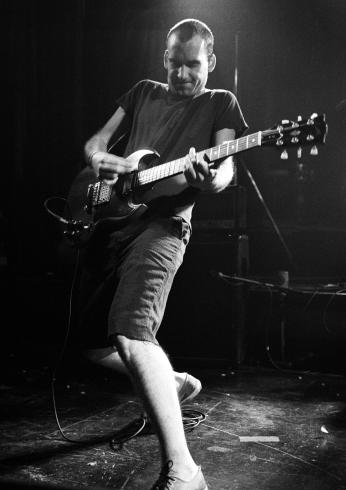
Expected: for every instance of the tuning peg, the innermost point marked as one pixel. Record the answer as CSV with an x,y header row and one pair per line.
x,y
314,151
299,118
284,155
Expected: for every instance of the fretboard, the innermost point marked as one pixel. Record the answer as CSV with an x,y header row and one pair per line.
x,y
218,152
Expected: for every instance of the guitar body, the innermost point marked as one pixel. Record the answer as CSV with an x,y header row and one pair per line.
x,y
123,208
118,209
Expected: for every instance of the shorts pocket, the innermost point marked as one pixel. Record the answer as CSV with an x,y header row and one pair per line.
x,y
181,228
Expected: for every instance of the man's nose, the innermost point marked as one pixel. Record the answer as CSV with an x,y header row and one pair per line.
x,y
182,72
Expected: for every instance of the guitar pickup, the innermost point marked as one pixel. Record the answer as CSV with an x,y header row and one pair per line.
x,y
102,193
98,194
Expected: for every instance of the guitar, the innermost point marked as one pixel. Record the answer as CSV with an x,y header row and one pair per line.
x,y
95,206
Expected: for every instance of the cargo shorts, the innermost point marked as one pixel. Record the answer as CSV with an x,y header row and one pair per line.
x,y
125,290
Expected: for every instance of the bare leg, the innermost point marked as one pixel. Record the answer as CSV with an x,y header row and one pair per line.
x,y
109,357
154,380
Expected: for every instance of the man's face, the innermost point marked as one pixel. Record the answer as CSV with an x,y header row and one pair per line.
x,y
187,66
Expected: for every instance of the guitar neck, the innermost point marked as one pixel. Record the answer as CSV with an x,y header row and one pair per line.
x,y
175,167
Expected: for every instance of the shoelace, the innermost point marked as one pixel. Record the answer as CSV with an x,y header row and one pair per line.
x,y
165,480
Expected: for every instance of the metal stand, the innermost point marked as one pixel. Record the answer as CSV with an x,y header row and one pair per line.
x,y
241,268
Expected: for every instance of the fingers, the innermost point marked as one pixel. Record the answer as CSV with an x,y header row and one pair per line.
x,y
197,172
193,155
108,167
118,165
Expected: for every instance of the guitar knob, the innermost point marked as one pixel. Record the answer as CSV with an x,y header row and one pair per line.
x,y
299,152
314,151
284,155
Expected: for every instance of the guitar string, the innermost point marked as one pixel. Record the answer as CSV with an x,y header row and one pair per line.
x,y
176,166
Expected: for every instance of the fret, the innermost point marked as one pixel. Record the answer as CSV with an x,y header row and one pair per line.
x,y
223,150
214,153
171,167
232,148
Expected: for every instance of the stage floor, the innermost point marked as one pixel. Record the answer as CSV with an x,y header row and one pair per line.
x,y
264,429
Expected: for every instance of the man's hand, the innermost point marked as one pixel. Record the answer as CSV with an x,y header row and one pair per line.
x,y
198,173
108,167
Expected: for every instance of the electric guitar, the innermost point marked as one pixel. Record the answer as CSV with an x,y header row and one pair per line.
x,y
95,206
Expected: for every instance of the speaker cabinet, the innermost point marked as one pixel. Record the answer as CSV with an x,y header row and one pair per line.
x,y
204,315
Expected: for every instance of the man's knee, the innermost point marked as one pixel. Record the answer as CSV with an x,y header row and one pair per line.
x,y
128,347
124,345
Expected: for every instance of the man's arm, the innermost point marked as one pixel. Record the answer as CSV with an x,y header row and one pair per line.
x,y
105,165
198,174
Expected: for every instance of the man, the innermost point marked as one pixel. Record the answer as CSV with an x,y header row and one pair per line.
x,y
128,282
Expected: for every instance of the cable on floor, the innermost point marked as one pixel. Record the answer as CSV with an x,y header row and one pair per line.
x,y
142,426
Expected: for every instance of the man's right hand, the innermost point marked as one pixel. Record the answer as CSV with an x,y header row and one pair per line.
x,y
108,167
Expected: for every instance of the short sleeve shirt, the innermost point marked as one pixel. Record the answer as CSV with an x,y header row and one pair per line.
x,y
171,126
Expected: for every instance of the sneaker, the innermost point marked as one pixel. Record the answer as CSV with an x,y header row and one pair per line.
x,y
189,389
168,481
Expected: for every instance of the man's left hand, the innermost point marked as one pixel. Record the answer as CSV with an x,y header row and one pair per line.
x,y
198,173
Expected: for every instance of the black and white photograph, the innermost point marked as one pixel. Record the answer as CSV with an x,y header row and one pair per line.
x,y
173,245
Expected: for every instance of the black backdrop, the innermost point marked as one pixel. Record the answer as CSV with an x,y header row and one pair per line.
x,y
64,64
67,61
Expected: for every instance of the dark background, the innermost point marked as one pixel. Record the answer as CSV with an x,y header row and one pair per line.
x,y
66,62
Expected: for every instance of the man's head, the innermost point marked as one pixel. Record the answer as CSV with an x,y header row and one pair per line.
x,y
189,57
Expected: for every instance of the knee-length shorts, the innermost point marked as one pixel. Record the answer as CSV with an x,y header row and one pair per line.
x,y
125,285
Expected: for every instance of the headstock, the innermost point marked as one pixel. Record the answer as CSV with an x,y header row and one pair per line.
x,y
310,131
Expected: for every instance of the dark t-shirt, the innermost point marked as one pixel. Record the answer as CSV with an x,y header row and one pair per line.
x,y
171,126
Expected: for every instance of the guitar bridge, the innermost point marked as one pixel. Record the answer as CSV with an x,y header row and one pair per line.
x,y
98,194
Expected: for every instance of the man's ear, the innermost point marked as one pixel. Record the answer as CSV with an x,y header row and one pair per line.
x,y
165,59
211,62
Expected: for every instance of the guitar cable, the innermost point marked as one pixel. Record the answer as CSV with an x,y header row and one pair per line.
x,y
191,419
55,215
63,350
73,227
68,222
